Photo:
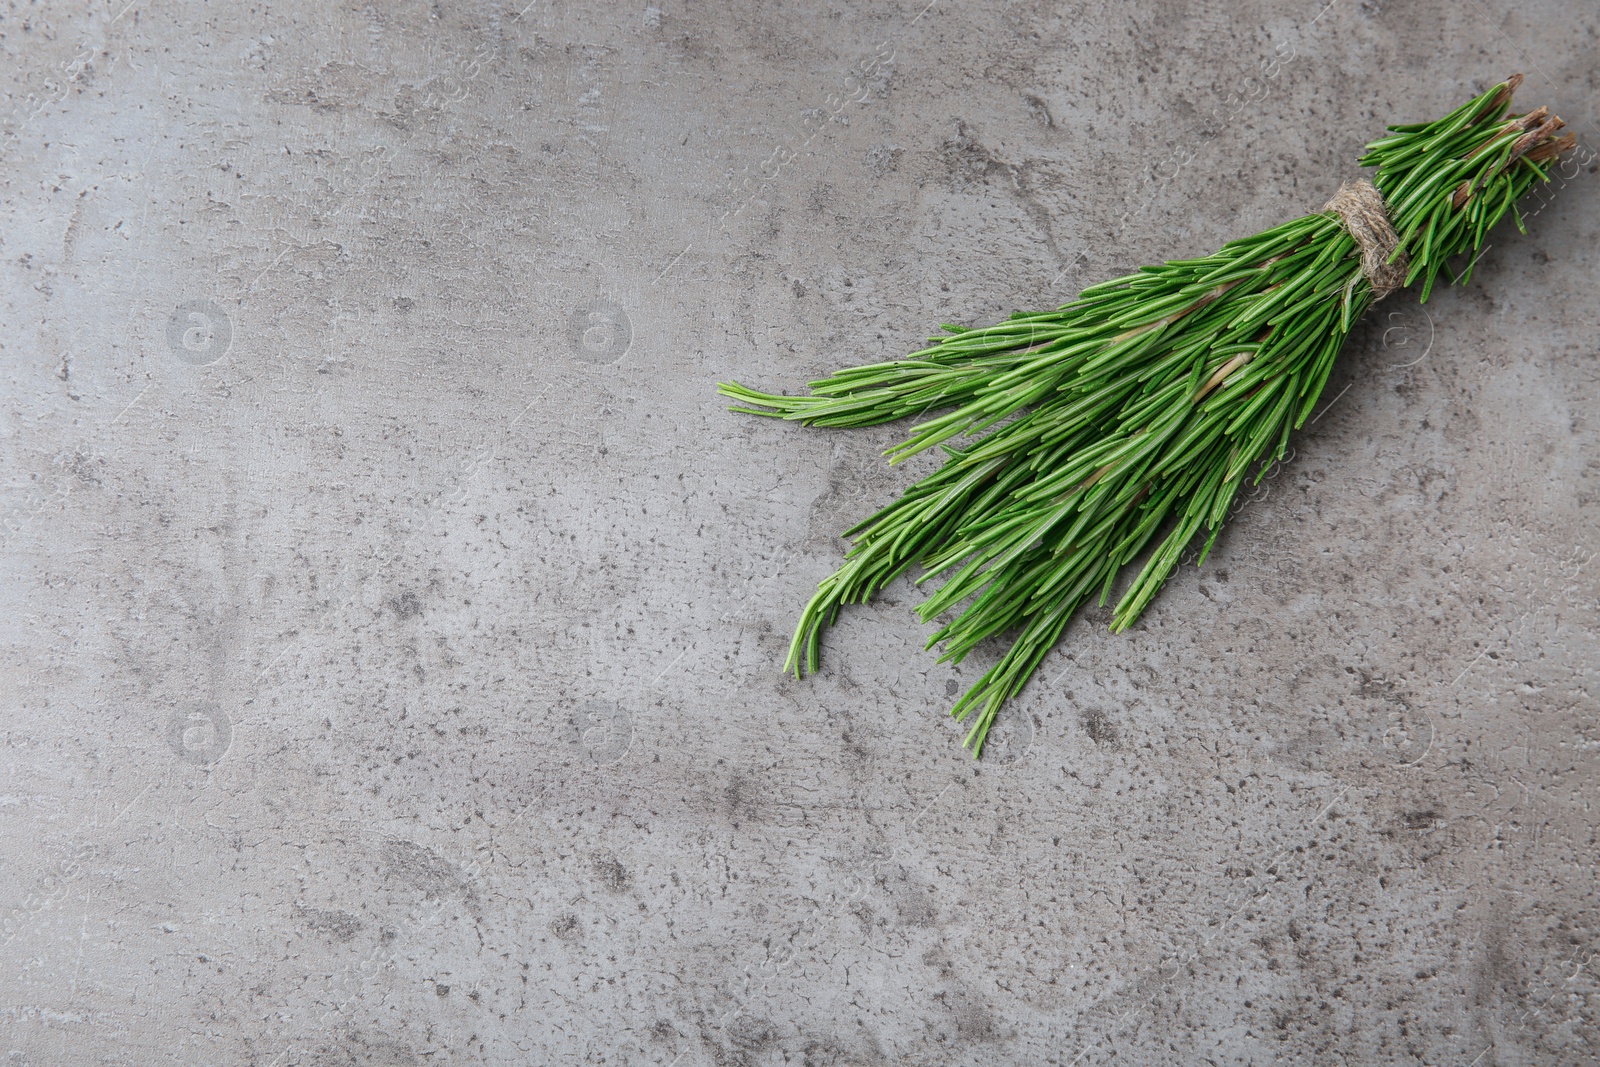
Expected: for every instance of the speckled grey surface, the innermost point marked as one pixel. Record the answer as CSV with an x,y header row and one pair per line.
x,y
392,613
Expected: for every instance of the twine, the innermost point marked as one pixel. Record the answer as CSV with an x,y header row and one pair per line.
x,y
1360,207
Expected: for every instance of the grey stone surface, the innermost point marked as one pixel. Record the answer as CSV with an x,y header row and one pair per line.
x,y
393,614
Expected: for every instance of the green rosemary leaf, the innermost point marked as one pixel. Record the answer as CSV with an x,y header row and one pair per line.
x,y
1128,417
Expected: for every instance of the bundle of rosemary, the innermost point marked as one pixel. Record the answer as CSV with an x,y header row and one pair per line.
x,y
1133,413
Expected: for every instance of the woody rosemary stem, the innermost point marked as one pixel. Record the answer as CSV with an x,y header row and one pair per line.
x,y
1120,426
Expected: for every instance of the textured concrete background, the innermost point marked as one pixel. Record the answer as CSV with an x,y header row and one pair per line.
x,y
393,614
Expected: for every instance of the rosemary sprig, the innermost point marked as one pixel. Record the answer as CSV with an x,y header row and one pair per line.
x,y
1125,422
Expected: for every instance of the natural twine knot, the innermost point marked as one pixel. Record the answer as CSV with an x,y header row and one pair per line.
x,y
1360,206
